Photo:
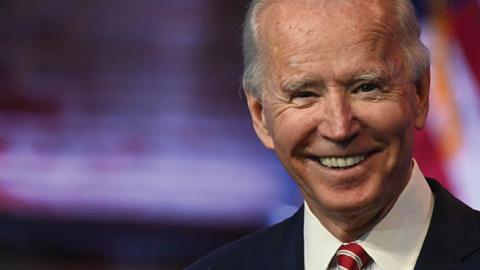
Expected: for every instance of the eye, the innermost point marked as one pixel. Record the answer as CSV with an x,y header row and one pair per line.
x,y
303,94
368,87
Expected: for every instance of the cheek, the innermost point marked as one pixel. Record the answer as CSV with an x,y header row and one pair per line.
x,y
291,129
391,124
386,119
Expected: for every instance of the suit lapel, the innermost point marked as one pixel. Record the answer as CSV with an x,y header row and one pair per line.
x,y
289,253
452,234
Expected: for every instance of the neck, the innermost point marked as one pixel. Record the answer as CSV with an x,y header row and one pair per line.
x,y
348,227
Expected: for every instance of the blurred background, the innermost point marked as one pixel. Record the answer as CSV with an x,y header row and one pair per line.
x,y
125,142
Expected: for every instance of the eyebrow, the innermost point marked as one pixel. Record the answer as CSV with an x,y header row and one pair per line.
x,y
368,75
293,86
376,75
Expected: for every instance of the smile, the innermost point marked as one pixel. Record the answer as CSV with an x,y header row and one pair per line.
x,y
340,162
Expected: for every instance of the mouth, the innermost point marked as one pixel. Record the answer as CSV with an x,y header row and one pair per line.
x,y
344,162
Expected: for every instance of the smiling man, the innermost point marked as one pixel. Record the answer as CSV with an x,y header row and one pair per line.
x,y
336,89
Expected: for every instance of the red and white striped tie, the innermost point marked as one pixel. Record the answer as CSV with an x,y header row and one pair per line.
x,y
352,257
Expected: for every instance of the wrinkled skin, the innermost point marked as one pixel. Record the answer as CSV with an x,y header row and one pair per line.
x,y
335,85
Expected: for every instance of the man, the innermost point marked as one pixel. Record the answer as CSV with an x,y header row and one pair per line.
x,y
336,89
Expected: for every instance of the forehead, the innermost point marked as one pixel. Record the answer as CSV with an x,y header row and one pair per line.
x,y
325,27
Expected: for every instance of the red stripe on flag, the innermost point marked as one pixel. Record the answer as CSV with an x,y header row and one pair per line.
x,y
428,157
466,24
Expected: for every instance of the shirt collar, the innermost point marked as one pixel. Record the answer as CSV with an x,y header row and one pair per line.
x,y
319,244
394,243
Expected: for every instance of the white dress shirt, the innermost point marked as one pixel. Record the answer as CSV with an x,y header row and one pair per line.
x,y
394,243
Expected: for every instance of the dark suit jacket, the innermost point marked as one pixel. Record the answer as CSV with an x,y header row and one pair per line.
x,y
452,242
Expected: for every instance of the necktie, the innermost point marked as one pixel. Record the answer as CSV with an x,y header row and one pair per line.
x,y
352,257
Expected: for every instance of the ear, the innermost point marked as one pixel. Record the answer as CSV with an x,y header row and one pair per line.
x,y
422,100
255,106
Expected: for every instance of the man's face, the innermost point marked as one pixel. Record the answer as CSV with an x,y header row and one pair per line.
x,y
337,106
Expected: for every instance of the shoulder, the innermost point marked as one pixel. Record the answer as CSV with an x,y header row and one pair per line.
x,y
454,233
451,213
472,260
449,207
256,250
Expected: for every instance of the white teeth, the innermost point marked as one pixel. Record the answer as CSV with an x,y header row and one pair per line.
x,y
341,162
328,162
350,161
334,162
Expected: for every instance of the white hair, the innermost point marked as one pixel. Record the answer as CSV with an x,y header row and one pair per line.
x,y
416,56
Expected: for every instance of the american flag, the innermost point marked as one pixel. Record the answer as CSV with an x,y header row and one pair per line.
x,y
448,148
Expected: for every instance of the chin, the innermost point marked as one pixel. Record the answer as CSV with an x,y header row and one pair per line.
x,y
356,200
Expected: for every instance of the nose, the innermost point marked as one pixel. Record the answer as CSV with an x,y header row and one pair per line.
x,y
338,123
